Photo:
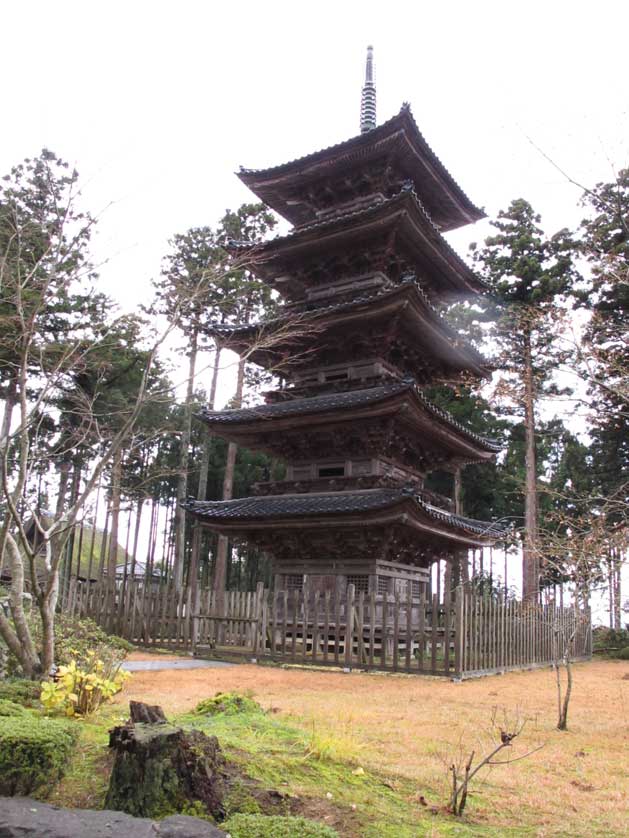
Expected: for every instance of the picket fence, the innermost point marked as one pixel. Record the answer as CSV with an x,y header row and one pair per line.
x,y
464,636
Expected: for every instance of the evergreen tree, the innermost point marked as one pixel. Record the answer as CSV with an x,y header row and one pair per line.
x,y
250,224
203,283
604,362
528,274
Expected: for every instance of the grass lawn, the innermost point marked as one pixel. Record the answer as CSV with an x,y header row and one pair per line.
x,y
358,750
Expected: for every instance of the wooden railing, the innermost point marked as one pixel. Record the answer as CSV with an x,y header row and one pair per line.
x,y
465,636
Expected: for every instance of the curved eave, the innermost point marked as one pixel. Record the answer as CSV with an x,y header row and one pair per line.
x,y
367,508
402,214
400,134
245,426
406,299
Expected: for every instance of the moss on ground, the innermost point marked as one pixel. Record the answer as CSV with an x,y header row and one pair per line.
x,y
318,780
261,826
358,803
227,703
86,779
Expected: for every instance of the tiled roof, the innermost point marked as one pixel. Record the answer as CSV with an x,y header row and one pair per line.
x,y
251,176
314,404
405,196
380,294
341,401
333,503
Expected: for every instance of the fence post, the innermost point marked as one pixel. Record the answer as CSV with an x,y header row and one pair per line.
x,y
349,626
258,640
459,633
434,618
196,607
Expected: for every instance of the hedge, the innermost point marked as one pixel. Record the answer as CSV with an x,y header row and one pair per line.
x,y
21,691
10,708
33,752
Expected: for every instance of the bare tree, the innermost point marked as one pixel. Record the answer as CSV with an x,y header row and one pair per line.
x,y
49,336
464,769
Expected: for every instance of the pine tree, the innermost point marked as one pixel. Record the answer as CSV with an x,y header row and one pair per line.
x,y
604,362
528,275
201,280
250,223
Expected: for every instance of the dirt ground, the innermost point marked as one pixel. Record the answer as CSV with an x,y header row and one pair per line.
x,y
577,784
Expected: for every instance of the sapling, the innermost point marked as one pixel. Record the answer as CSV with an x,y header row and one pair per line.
x,y
503,736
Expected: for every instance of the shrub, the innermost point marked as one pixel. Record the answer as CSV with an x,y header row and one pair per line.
x,y
20,691
610,639
10,708
229,703
623,654
33,752
82,690
274,826
75,640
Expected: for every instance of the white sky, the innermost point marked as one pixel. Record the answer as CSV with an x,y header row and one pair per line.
x,y
157,104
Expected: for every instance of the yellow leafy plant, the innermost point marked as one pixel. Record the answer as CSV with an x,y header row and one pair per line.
x,y
80,691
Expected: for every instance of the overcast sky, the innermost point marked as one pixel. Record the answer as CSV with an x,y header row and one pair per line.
x,y
157,104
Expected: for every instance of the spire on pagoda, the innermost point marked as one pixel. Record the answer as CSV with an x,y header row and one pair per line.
x,y
368,98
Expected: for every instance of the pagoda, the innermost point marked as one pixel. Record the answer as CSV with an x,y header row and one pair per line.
x,y
363,276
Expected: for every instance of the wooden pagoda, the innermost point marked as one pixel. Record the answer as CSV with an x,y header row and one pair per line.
x,y
363,275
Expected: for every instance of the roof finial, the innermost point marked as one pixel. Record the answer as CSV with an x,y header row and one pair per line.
x,y
368,98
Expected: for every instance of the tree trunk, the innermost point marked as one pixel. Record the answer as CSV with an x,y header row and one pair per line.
x,y
182,480
530,558
74,493
220,568
90,560
617,557
116,481
9,403
18,637
64,473
203,475
47,612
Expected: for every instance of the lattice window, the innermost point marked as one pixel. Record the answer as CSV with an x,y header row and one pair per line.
x,y
401,587
360,583
417,587
294,582
337,375
332,471
383,584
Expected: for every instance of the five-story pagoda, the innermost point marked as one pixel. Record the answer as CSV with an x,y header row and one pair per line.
x,y
362,275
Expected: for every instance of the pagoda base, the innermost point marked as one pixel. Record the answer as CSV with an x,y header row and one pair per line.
x,y
379,540
387,559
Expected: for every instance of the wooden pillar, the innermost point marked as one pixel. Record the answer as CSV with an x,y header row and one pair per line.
x,y
460,559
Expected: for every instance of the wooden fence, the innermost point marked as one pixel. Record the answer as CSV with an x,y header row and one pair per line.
x,y
462,637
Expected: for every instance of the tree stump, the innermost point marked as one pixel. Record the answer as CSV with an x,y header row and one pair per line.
x,y
160,769
150,714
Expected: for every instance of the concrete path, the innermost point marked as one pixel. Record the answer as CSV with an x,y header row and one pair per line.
x,y
181,663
